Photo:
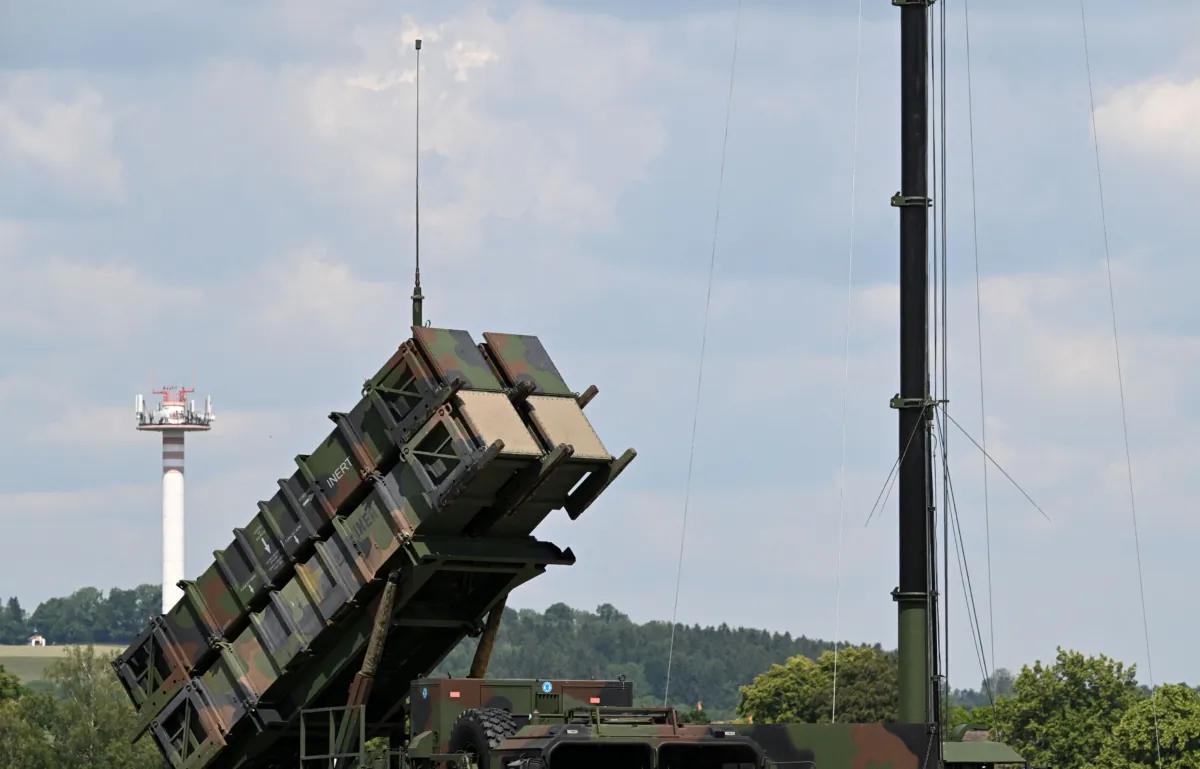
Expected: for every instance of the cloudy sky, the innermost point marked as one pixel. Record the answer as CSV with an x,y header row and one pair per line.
x,y
229,192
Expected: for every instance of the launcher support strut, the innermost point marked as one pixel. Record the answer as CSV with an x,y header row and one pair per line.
x,y
360,688
487,640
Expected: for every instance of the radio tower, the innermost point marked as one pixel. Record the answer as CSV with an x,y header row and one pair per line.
x,y
174,418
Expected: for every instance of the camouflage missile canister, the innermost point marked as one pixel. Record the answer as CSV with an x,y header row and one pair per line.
x,y
454,454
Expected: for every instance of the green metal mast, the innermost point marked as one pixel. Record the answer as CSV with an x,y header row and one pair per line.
x,y
915,593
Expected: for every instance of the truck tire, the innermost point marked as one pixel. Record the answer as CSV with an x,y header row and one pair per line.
x,y
479,731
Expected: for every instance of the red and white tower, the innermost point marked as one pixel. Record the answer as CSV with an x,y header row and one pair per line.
x,y
174,418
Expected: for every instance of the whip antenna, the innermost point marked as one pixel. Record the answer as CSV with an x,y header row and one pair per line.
x,y
417,297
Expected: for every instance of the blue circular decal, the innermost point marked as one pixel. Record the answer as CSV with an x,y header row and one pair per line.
x,y
424,693
547,686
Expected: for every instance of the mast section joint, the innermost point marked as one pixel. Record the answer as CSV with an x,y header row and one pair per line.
x,y
925,3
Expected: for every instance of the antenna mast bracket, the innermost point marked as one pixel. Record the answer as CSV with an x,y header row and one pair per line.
x,y
925,3
915,403
899,201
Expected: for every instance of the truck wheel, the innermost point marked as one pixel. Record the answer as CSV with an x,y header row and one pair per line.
x,y
479,730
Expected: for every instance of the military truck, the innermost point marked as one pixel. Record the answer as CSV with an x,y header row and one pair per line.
x,y
487,724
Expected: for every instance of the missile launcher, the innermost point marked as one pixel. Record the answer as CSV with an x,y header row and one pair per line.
x,y
439,475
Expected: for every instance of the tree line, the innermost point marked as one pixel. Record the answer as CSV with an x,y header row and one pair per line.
x,y
86,616
708,664
1076,712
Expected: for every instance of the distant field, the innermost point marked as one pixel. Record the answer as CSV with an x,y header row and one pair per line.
x,y
28,662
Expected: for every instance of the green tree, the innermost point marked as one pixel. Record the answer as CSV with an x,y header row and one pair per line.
x,y
1132,744
77,619
1000,682
22,743
708,663
12,623
1061,714
10,686
783,693
91,725
125,613
982,717
802,690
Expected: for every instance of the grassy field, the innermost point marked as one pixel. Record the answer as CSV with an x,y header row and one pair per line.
x,y
28,662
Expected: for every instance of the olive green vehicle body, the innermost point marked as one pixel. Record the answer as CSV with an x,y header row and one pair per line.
x,y
593,724
440,473
655,739
436,703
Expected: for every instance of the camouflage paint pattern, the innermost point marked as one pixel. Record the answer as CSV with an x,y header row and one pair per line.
x,y
301,606
410,646
266,548
157,665
827,746
336,469
633,737
845,746
405,372
436,702
251,665
292,516
277,626
376,529
527,497
191,630
439,471
329,581
230,698
522,358
188,732
219,601
440,474
454,354
396,404
241,572
151,671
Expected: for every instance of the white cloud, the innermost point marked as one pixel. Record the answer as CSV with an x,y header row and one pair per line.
x,y
66,300
342,134
70,137
1155,119
308,293
557,201
464,57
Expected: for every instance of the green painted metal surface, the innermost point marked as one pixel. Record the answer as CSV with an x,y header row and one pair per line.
x,y
976,752
441,471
